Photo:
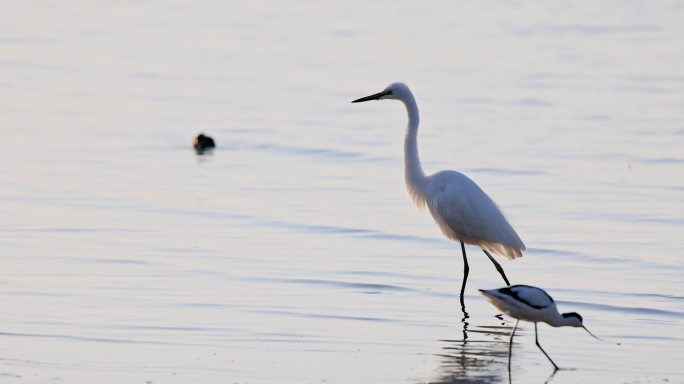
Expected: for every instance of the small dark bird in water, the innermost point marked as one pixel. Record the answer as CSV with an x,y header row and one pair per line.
x,y
203,143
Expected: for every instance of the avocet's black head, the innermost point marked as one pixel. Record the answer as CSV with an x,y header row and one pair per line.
x,y
573,318
395,91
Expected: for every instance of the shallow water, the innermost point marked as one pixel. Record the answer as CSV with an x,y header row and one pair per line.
x,y
291,253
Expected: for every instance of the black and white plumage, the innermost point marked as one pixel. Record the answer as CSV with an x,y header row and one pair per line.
x,y
528,303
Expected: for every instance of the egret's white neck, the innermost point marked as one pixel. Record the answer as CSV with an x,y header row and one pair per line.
x,y
415,178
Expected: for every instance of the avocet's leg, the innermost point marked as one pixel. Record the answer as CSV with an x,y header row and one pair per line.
x,y
465,274
536,340
510,348
498,267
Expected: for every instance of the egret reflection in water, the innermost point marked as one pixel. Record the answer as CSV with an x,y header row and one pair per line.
x,y
480,357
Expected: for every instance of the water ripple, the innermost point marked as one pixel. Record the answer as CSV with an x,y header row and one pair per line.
x,y
326,316
319,153
630,310
92,339
380,288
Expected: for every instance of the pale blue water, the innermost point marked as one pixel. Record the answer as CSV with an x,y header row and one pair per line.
x,y
292,253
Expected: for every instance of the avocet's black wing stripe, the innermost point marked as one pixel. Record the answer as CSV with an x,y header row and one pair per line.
x,y
539,290
530,296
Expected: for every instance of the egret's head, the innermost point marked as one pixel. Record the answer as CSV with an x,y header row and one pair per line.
x,y
394,91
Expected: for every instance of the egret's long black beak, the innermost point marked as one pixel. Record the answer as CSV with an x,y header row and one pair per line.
x,y
376,96
592,335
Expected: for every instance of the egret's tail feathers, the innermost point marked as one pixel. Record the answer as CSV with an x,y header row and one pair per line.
x,y
507,251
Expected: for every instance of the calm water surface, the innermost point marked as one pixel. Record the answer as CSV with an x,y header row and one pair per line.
x,y
292,254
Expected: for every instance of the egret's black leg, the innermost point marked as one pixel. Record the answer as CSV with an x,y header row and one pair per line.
x,y
510,349
498,267
536,340
465,275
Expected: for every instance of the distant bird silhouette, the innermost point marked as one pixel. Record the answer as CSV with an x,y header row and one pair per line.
x,y
203,143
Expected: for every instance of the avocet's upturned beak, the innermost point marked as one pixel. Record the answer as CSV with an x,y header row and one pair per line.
x,y
592,335
376,96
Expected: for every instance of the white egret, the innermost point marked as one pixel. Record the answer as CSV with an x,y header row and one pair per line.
x,y
524,302
461,209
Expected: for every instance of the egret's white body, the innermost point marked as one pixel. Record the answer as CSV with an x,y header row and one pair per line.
x,y
524,302
465,213
460,208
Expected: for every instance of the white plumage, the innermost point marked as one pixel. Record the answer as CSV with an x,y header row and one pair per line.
x,y
461,209
465,212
